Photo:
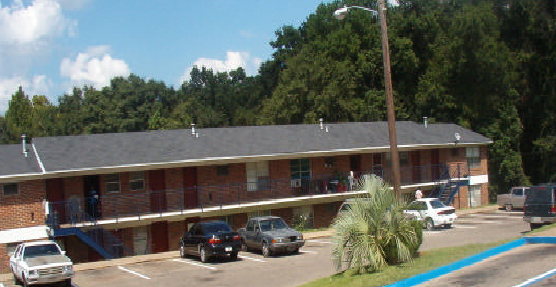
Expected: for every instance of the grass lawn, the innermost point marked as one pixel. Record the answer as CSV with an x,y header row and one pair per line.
x,y
427,261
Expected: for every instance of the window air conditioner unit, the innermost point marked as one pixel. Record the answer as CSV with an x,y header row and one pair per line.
x,y
296,182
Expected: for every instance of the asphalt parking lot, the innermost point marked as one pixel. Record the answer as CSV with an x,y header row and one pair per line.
x,y
252,269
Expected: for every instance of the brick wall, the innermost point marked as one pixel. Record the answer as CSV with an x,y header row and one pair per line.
x,y
25,209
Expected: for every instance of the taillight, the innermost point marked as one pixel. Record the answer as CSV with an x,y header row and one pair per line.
x,y
215,240
237,237
553,209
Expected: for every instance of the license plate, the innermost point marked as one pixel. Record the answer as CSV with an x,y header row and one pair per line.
x,y
536,219
228,249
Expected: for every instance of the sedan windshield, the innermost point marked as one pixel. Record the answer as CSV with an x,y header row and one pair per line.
x,y
41,250
278,223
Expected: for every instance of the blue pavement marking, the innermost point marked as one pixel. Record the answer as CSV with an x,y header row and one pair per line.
x,y
421,278
540,239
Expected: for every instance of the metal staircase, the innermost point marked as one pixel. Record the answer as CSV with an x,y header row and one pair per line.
x,y
448,185
102,241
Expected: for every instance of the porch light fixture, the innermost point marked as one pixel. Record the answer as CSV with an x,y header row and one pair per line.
x,y
341,14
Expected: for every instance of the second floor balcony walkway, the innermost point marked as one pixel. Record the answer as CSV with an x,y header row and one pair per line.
x,y
122,208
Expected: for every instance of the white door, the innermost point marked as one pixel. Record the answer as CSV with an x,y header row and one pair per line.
x,y
140,246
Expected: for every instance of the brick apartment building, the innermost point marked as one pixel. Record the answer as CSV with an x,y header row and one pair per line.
x,y
113,195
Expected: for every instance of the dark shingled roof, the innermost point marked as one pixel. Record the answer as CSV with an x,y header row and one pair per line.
x,y
59,154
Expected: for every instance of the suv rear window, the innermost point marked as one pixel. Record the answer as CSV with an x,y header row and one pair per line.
x,y
540,194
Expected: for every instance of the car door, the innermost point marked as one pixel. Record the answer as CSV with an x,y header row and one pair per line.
x,y
188,241
248,235
17,261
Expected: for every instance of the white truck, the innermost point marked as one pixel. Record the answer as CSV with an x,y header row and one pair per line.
x,y
514,199
41,262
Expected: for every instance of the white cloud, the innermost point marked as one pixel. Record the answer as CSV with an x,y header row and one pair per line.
x,y
73,4
94,67
33,25
233,61
40,85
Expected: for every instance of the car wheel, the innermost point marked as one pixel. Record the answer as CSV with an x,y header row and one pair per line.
x,y
233,256
429,224
295,251
266,250
67,283
509,207
204,255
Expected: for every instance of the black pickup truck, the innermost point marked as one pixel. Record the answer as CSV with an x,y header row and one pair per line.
x,y
540,206
270,234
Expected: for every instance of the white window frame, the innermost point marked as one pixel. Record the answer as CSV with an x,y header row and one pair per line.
x,y
109,185
136,178
258,175
473,155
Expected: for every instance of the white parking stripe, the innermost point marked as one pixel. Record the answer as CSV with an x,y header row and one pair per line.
x,y
536,279
249,258
195,264
133,272
307,251
1,285
320,241
465,227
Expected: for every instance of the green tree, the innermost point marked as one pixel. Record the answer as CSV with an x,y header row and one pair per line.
x,y
19,117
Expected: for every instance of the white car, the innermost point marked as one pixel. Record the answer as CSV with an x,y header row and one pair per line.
x,y
432,212
41,262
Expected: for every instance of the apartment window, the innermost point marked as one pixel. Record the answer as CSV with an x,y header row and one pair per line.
x,y
329,162
223,170
404,158
10,188
300,168
473,157
112,183
137,180
258,176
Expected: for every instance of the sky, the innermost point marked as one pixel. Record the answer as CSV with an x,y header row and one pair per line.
x,y
50,46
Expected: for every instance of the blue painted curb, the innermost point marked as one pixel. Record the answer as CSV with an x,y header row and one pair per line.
x,y
540,239
421,278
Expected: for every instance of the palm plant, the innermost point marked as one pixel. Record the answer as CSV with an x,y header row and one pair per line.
x,y
374,232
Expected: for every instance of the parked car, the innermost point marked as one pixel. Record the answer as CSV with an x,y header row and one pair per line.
x,y
270,234
209,239
540,206
514,199
41,262
432,212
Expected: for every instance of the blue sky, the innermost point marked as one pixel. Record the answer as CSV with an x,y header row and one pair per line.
x,y
49,46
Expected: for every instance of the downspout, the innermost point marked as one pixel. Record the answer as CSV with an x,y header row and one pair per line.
x,y
46,204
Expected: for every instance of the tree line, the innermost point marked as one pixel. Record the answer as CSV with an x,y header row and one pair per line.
x,y
487,65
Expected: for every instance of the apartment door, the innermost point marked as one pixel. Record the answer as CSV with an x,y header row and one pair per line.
x,y
55,195
435,164
157,186
90,189
191,198
159,236
415,159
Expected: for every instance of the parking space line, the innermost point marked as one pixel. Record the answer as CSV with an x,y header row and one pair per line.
x,y
320,241
195,264
133,272
308,251
465,227
537,279
250,258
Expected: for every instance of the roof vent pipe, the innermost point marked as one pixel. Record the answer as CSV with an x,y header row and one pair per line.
x,y
193,129
321,120
425,122
24,144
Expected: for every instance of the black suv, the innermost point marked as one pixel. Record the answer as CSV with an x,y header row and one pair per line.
x,y
540,206
208,239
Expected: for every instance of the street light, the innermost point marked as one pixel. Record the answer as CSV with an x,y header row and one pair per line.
x,y
341,14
